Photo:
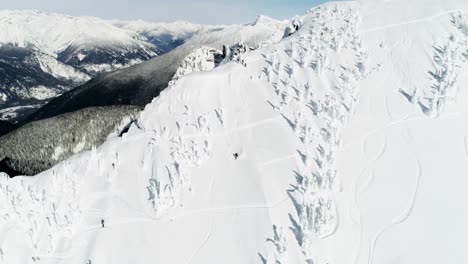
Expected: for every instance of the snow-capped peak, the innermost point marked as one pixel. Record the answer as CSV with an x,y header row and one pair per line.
x,y
262,19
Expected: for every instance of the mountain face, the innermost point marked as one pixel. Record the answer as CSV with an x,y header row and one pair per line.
x,y
345,142
138,85
43,55
30,78
126,86
85,42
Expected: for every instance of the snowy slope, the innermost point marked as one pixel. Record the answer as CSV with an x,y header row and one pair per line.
x,y
339,160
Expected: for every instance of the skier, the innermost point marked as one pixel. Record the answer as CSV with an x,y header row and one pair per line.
x,y
224,51
236,155
102,223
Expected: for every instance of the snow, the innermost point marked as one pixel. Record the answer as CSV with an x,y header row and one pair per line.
x,y
60,70
42,92
178,29
201,59
10,113
80,146
58,151
52,33
104,67
336,164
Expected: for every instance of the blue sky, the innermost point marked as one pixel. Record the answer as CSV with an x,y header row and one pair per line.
x,y
203,11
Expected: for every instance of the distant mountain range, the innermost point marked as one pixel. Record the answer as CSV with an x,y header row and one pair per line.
x,y
139,84
43,55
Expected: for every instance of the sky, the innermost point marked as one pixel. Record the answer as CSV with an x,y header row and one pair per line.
x,y
197,11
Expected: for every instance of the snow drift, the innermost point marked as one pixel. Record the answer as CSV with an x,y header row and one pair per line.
x,y
350,142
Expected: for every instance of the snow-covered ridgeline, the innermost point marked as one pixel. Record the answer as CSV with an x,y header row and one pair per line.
x,y
201,59
53,33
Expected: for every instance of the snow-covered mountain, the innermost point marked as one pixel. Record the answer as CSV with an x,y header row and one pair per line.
x,y
125,87
138,85
342,143
43,54
89,43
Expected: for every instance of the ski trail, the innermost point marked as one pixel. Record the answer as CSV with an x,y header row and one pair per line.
x,y
387,110
205,241
359,246
373,243
466,144
359,189
278,160
405,215
402,217
409,22
238,128
405,120
230,208
379,153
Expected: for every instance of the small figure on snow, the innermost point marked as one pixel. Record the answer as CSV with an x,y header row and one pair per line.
x,y
236,155
224,51
102,223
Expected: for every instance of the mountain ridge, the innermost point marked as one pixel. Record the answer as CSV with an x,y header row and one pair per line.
x,y
63,52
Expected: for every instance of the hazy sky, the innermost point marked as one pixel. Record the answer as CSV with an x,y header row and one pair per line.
x,y
200,11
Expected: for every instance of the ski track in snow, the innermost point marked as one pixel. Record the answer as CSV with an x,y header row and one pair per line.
x,y
273,161
207,238
402,121
465,144
405,214
409,22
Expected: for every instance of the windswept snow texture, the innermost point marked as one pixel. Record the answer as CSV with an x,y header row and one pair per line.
x,y
310,150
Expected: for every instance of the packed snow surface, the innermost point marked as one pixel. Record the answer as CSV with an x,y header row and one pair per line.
x,y
345,142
